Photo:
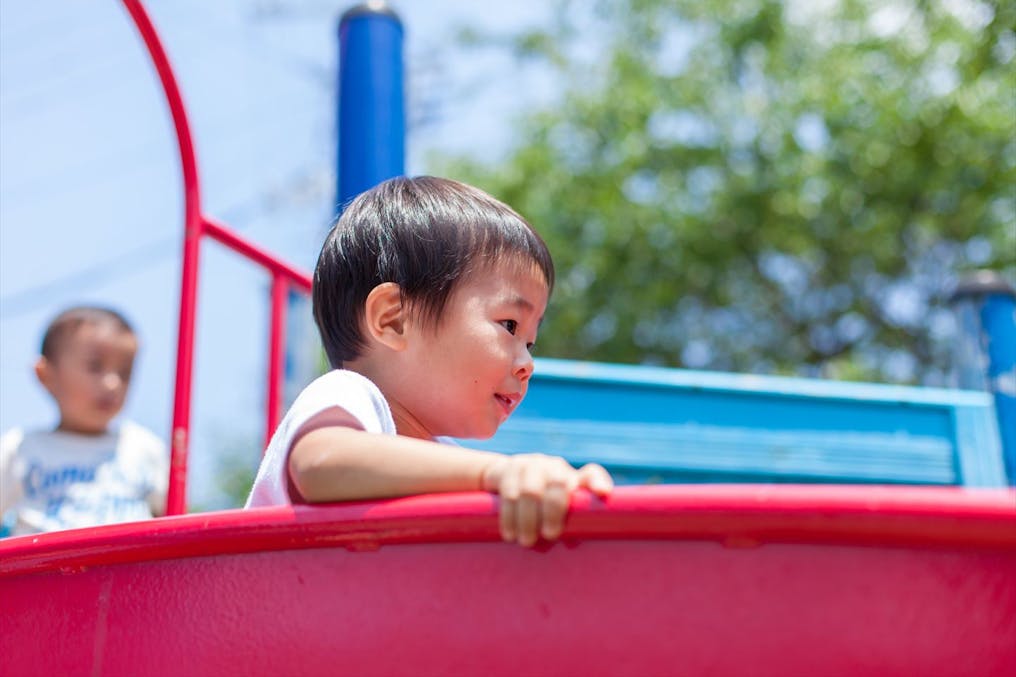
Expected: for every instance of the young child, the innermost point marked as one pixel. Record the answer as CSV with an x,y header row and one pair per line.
x,y
428,295
86,472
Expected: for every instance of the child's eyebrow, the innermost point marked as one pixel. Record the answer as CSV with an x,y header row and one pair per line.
x,y
521,301
524,303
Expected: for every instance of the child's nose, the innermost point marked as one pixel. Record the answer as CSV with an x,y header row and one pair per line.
x,y
524,365
112,382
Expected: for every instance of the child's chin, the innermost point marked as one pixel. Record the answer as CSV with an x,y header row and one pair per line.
x,y
476,434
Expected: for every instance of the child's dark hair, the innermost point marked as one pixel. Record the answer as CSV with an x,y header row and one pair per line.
x,y
424,234
68,321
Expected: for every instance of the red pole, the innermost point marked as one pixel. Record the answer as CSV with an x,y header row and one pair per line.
x,y
176,498
176,501
276,348
300,279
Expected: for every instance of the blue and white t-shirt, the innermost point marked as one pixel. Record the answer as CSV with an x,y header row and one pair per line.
x,y
53,480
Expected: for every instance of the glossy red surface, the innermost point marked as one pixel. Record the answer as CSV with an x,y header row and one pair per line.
x,y
656,580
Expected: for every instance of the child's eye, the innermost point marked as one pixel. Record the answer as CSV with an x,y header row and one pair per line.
x,y
510,325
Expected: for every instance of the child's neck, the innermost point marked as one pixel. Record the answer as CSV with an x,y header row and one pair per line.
x,y
71,429
379,372
405,423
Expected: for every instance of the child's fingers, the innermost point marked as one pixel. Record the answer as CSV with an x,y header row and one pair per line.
x,y
508,487
507,519
555,507
532,483
528,520
594,477
535,492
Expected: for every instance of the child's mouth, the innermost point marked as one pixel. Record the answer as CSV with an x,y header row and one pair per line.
x,y
508,402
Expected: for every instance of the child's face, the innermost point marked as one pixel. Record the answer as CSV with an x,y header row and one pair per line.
x,y
89,374
465,376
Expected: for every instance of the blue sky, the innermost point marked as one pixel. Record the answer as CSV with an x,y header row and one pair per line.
x,y
90,194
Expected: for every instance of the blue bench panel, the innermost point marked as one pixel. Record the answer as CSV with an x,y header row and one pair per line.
x,y
649,424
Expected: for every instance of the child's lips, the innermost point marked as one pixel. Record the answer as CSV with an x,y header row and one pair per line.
x,y
508,400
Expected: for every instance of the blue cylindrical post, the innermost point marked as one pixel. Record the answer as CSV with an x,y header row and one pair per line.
x,y
371,113
986,358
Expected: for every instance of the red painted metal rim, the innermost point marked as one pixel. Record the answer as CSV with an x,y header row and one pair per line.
x,y
732,515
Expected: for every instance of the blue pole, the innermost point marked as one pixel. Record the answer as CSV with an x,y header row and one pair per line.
x,y
371,116
987,354
371,146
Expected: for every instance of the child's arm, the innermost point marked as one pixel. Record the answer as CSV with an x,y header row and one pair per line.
x,y
332,460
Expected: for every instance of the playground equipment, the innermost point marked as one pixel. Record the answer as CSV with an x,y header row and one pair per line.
x,y
698,579
676,426
643,424
722,580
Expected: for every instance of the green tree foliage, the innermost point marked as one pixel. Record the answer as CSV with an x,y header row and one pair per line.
x,y
762,186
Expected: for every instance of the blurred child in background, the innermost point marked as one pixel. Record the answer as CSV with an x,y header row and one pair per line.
x,y
89,470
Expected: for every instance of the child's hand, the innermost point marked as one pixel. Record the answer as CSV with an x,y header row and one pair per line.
x,y
535,490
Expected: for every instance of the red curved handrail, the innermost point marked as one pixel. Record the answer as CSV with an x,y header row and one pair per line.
x,y
741,516
196,225
707,579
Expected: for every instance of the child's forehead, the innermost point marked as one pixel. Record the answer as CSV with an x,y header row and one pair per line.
x,y
515,280
510,268
96,335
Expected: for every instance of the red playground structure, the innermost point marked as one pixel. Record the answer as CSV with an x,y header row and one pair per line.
x,y
724,580
707,579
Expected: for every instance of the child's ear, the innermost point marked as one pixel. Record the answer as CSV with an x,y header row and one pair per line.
x,y
44,372
385,315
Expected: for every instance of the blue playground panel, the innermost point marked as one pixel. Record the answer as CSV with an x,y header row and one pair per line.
x,y
653,425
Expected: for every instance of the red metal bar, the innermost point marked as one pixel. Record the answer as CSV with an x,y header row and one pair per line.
x,y
262,257
176,497
276,348
195,226
701,580
739,516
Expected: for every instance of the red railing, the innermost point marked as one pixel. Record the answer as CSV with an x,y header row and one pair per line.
x,y
196,226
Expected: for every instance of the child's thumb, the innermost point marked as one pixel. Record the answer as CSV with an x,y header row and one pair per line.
x,y
596,479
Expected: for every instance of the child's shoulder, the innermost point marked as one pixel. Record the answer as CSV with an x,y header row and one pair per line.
x,y
27,442
349,390
20,436
11,440
338,378
340,381
137,435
